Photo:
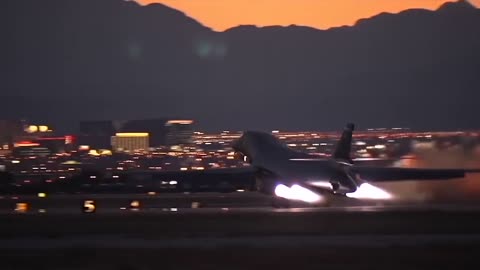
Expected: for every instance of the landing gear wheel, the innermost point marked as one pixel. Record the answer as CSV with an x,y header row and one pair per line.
x,y
278,202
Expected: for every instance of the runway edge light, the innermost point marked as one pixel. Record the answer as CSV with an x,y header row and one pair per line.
x,y
21,207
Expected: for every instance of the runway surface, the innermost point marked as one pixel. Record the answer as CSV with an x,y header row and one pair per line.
x,y
158,201
223,215
239,230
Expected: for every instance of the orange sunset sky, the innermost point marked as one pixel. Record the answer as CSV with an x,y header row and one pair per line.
x,y
223,14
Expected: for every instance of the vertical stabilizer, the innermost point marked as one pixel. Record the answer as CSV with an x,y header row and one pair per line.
x,y
344,145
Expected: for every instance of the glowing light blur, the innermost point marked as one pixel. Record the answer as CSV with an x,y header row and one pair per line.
x,y
43,128
195,205
283,191
321,184
31,129
297,192
305,194
21,207
180,122
132,134
367,191
89,206
135,204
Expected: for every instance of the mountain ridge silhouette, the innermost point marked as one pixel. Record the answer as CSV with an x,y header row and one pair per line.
x,y
68,60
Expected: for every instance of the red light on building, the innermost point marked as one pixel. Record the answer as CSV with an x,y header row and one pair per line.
x,y
25,144
68,139
51,139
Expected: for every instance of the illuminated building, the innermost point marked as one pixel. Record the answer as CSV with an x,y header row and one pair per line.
x,y
38,129
130,142
155,128
30,149
97,134
161,131
42,146
179,132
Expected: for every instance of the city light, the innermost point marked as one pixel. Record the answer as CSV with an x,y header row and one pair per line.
x,y
25,144
135,204
35,128
84,147
180,122
132,134
31,129
213,152
21,207
93,152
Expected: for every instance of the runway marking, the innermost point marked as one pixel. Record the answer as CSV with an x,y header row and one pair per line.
x,y
249,209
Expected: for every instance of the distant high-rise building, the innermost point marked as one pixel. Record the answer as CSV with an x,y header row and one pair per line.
x,y
179,132
96,134
60,144
24,149
130,142
154,127
10,131
161,131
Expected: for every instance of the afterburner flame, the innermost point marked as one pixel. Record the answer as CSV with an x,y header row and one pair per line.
x,y
297,192
367,191
283,191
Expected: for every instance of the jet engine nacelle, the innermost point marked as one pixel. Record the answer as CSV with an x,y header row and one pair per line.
x,y
265,185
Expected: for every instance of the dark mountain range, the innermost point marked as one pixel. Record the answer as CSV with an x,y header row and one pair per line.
x,y
66,60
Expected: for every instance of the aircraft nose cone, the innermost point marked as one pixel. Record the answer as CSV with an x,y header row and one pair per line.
x,y
238,145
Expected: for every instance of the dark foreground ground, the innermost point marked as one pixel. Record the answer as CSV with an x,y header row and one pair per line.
x,y
166,234
464,257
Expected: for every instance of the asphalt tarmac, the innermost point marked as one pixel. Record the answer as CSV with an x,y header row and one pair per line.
x,y
233,231
73,203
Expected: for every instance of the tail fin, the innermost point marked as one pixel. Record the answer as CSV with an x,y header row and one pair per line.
x,y
342,151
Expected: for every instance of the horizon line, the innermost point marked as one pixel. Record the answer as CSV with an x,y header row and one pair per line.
x,y
298,25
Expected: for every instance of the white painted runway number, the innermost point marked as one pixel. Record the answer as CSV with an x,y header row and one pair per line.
x,y
89,206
